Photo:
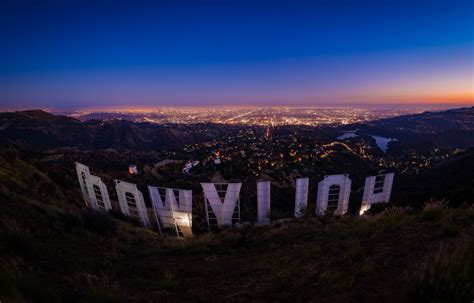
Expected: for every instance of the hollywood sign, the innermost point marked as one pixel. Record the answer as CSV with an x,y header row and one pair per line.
x,y
172,208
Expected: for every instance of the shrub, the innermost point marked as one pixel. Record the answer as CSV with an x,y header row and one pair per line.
x,y
445,276
450,230
433,214
98,286
99,222
19,284
434,211
35,290
13,238
72,222
104,296
378,208
168,280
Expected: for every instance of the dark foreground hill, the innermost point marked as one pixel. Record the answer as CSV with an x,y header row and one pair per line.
x,y
451,180
53,250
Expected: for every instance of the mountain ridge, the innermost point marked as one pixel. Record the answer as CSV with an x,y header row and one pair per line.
x,y
36,127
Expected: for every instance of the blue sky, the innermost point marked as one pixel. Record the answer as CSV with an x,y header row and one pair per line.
x,y
146,53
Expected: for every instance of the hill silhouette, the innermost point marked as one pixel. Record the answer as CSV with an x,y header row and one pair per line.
x,y
451,180
39,128
452,128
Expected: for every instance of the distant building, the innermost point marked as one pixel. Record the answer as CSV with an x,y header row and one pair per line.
x,y
189,165
132,169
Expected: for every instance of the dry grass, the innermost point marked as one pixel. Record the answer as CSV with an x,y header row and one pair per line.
x,y
447,275
53,252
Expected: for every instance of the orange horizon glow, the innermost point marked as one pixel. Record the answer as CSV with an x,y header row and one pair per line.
x,y
450,101
464,98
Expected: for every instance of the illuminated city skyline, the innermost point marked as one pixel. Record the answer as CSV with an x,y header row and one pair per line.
x,y
253,115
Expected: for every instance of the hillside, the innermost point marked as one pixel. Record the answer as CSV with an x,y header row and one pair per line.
x,y
431,121
452,180
53,250
36,127
450,128
444,129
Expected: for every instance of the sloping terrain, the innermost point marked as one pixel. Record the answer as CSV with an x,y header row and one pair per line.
x,y
53,250
452,128
36,127
461,119
452,180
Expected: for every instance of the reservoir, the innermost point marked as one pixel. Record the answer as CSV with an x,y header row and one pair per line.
x,y
347,135
382,142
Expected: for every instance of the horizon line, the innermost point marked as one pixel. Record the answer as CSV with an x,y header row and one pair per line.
x,y
155,107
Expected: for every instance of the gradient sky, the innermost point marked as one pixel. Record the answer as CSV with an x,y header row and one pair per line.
x,y
69,54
